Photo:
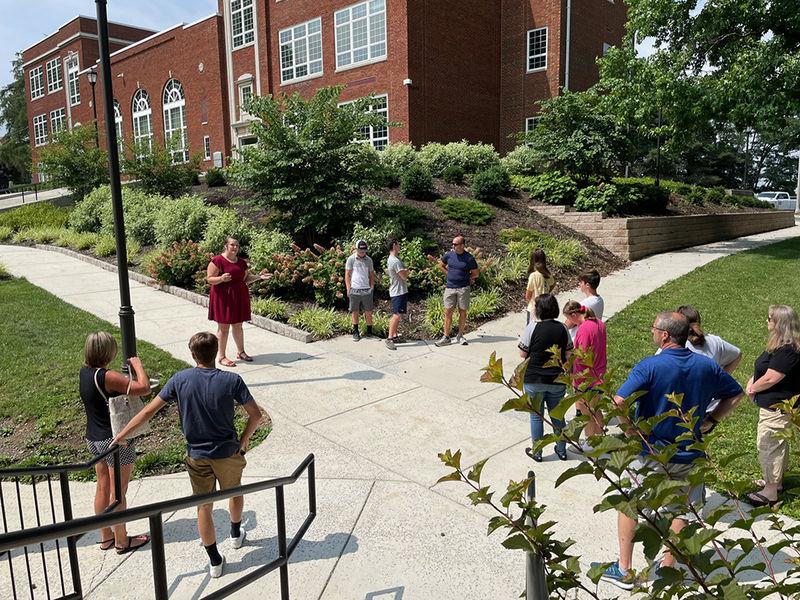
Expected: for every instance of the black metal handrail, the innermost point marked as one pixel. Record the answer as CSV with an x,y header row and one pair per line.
x,y
73,528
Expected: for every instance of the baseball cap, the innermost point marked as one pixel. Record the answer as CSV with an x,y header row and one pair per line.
x,y
361,245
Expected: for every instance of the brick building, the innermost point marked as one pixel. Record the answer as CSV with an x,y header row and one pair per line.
x,y
445,70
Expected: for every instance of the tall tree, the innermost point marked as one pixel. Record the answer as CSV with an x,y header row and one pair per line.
x,y
15,150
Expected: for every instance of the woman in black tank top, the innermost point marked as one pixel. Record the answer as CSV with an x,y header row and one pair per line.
x,y
97,383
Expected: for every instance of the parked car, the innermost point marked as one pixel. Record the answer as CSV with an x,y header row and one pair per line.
x,y
780,200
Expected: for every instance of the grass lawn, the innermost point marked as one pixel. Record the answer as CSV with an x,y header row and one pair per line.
x,y
732,295
42,420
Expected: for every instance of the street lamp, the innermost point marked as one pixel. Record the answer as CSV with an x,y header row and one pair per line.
x,y
92,77
126,321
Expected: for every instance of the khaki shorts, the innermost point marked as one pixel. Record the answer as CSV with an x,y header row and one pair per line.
x,y
204,473
643,466
456,297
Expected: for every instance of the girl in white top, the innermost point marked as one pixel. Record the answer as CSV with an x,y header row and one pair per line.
x,y
540,281
726,355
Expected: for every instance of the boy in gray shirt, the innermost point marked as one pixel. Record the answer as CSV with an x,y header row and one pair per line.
x,y
398,291
359,279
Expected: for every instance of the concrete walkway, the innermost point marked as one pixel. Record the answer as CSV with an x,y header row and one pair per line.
x,y
375,420
20,198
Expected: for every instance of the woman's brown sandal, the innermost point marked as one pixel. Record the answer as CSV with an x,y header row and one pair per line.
x,y
244,356
106,544
143,539
226,362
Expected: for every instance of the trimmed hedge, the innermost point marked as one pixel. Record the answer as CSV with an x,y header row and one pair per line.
x,y
551,188
466,211
489,185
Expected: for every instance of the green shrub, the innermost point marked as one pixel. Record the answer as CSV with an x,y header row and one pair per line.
x,y
264,245
132,249
105,245
716,195
320,322
425,275
74,161
466,211
38,235
641,196
40,214
604,198
181,219
613,199
416,182
696,196
157,171
552,188
4,274
520,161
222,223
453,175
215,178
318,271
434,314
87,214
402,218
748,201
178,264
83,241
396,159
485,304
5,233
489,185
139,209
560,253
270,307
147,260
471,158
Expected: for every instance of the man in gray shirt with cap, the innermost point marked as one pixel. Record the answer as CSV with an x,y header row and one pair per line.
x,y
359,279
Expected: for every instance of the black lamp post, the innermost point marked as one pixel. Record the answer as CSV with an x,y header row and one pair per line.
x,y
126,321
92,77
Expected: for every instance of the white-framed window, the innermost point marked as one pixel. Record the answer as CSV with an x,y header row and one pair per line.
x,y
206,147
37,83
245,93
175,121
55,81
360,33
531,123
537,49
142,121
242,22
301,50
378,136
58,120
606,48
73,80
118,123
40,130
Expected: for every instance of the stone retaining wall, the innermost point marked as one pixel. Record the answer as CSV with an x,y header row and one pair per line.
x,y
636,237
257,320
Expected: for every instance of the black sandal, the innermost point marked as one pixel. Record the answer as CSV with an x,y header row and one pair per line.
x,y
757,500
130,547
102,544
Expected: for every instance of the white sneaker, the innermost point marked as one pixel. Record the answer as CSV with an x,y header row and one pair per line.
x,y
216,571
462,340
443,341
237,542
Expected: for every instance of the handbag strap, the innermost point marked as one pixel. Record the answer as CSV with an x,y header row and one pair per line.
x,y
102,393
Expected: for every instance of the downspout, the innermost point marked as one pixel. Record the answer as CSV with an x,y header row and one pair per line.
x,y
568,40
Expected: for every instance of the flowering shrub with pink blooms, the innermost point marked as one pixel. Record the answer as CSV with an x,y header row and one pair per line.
x,y
179,263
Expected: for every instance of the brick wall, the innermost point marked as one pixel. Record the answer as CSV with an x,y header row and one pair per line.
x,y
594,22
636,237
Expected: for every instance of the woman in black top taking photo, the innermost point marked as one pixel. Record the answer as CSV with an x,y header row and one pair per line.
x,y
540,381
775,380
97,383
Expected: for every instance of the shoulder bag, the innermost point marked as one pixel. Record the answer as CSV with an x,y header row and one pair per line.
x,y
122,409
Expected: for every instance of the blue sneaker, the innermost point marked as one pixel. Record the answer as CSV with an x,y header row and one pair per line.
x,y
615,576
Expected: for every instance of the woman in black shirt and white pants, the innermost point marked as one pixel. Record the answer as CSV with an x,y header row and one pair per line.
x,y
97,383
776,379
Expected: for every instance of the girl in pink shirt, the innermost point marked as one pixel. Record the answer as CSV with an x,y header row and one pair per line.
x,y
591,336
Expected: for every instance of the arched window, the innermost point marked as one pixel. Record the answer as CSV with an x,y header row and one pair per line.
x,y
118,125
175,121
142,122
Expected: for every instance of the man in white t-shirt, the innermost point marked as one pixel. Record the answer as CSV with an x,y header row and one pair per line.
x,y
359,279
588,283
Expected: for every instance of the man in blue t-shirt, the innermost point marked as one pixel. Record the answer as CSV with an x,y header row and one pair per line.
x,y
675,370
461,269
206,399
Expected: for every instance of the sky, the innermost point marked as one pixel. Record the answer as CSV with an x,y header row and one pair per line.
x,y
25,23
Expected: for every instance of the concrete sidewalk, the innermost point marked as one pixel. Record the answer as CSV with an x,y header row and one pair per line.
x,y
20,198
375,420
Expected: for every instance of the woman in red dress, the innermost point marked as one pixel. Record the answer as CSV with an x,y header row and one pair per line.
x,y
229,302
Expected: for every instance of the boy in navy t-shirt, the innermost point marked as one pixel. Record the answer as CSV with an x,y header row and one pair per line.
x,y
206,398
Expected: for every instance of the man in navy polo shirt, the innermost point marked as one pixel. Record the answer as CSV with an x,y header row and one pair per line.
x,y
675,370
461,269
